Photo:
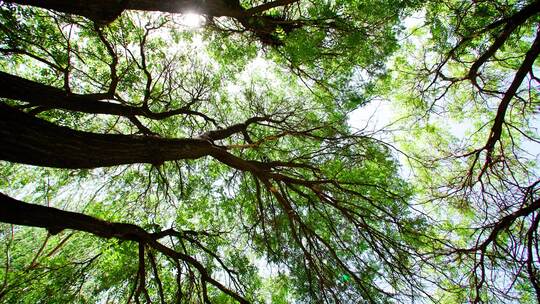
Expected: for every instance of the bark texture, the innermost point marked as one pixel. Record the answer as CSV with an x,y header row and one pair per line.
x,y
55,220
252,19
48,97
30,140
106,11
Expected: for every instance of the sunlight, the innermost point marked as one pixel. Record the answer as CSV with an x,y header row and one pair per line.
x,y
192,20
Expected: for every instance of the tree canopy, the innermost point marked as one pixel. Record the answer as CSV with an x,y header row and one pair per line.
x,y
147,161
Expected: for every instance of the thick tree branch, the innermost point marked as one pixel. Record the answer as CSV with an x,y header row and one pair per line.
x,y
29,140
521,73
502,224
490,52
49,97
55,220
269,5
106,11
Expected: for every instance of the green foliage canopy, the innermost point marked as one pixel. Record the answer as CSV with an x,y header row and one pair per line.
x,y
217,164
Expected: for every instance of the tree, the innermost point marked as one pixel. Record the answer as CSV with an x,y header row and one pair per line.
x,y
268,173
477,68
217,165
322,38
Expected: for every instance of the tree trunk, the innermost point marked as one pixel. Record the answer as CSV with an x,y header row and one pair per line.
x,y
48,97
55,220
106,11
30,140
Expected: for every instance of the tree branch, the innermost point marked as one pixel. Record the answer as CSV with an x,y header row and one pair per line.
x,y
55,220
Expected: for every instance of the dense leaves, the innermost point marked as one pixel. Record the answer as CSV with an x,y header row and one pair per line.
x,y
145,160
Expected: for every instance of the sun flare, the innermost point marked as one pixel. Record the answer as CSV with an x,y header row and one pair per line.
x,y
192,20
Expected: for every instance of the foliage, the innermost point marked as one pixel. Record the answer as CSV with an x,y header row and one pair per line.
x,y
467,80
217,164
